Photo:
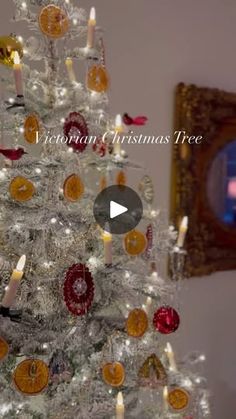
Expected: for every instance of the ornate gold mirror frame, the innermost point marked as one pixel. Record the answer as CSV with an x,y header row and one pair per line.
x,y
210,113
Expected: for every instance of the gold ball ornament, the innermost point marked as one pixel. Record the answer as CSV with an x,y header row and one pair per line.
x,y
53,21
21,189
178,399
73,188
135,242
97,79
4,349
8,45
31,376
137,323
113,373
31,128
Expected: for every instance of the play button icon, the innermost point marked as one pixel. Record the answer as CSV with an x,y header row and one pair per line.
x,y
118,209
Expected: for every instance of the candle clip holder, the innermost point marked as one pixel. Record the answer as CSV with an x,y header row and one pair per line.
x,y
176,263
19,103
12,314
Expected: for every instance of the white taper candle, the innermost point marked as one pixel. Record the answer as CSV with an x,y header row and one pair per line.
x,y
17,68
120,408
182,231
91,28
107,239
14,283
70,70
171,357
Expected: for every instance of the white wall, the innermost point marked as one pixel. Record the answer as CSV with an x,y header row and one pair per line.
x,y
151,46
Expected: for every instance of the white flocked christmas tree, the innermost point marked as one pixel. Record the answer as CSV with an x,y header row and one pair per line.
x,y
85,314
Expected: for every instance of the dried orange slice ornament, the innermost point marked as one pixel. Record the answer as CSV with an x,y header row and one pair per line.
x,y
31,376
73,188
113,373
53,21
103,183
97,79
135,242
178,399
4,349
21,189
121,178
31,128
137,323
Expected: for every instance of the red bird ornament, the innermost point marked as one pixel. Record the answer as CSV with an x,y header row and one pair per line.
x,y
137,120
12,153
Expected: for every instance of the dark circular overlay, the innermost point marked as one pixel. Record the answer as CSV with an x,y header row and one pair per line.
x,y
122,195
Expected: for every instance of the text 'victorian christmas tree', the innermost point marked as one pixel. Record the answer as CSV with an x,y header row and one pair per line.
x,y
85,309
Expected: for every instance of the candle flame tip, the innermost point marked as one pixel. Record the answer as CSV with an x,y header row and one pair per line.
x,y
21,263
92,13
120,398
16,57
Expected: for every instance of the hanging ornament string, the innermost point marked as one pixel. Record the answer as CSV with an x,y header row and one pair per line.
x,y
103,53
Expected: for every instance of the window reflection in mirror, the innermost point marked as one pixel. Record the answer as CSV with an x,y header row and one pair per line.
x,y
221,184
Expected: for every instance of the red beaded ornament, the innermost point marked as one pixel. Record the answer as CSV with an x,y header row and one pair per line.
x,y
76,132
149,237
100,147
166,320
78,289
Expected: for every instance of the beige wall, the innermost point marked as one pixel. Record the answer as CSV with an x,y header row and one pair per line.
x,y
151,46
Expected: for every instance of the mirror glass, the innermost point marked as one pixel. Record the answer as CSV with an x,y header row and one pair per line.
x,y
221,184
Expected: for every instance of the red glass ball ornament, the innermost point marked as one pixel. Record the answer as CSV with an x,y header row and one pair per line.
x,y
166,320
76,132
78,289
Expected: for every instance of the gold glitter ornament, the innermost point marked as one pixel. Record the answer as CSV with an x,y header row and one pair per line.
x,y
152,372
178,399
8,45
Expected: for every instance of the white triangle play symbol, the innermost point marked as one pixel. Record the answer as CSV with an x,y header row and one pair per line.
x,y
116,209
